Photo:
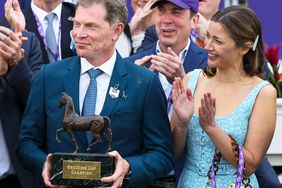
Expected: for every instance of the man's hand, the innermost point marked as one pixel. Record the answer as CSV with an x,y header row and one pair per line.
x,y
121,169
169,64
3,66
14,14
143,61
10,46
46,173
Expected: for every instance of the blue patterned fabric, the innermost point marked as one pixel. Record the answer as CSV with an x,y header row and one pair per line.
x,y
89,103
200,149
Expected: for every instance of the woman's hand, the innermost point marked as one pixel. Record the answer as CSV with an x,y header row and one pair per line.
x,y
207,112
183,102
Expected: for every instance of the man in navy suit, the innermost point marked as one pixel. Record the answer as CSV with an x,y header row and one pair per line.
x,y
33,20
131,96
174,54
15,83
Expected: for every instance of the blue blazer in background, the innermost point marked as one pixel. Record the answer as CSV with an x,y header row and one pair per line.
x,y
150,38
141,130
14,89
68,11
196,57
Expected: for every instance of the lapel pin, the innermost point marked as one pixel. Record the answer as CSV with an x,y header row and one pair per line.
x,y
124,95
114,91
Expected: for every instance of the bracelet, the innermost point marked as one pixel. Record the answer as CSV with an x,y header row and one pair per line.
x,y
18,62
235,147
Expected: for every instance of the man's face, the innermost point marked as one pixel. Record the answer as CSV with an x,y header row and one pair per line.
x,y
173,25
93,35
208,7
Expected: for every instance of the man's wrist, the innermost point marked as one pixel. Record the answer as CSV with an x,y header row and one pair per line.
x,y
128,174
17,62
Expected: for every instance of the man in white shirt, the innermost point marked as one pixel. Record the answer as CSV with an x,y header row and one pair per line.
x,y
34,20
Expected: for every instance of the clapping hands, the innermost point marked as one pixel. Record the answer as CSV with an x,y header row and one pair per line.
x,y
183,102
207,112
10,48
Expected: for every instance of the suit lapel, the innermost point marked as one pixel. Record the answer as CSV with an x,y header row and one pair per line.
x,y
32,26
192,60
119,81
67,11
71,86
71,81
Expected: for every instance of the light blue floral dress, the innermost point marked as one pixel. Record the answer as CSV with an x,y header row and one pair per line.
x,y
200,150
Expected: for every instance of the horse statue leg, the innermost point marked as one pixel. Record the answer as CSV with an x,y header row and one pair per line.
x,y
107,133
98,140
57,134
73,140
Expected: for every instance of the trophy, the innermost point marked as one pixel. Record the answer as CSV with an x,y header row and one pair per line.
x,y
82,169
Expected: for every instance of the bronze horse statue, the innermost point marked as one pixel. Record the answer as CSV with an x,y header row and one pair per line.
x,y
71,121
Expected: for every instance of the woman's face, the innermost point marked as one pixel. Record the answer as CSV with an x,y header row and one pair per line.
x,y
222,51
135,4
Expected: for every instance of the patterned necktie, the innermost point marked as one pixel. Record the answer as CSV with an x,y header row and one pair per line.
x,y
52,50
89,103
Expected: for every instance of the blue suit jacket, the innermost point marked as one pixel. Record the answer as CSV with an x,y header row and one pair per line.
x,y
141,130
150,38
195,58
14,88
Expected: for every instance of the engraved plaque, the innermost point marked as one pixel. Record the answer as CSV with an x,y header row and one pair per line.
x,y
81,170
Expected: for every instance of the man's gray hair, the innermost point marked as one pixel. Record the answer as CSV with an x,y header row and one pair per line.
x,y
116,10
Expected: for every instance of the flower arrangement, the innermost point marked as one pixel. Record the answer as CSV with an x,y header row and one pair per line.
x,y
272,55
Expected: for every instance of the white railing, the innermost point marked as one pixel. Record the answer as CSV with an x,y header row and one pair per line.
x,y
274,152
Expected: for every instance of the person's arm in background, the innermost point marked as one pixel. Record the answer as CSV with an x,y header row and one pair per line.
x,y
10,49
27,67
21,56
14,14
142,19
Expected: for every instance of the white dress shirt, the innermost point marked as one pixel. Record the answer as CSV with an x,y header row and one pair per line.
x,y
103,81
167,87
6,167
41,14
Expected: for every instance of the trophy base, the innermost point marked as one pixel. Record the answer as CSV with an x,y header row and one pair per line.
x,y
81,169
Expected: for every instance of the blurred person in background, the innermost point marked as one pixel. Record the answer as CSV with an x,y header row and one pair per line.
x,y
20,60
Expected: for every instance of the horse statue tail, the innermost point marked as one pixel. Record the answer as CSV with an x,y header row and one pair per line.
x,y
107,132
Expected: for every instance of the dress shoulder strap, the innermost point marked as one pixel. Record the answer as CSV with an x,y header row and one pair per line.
x,y
249,100
193,80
